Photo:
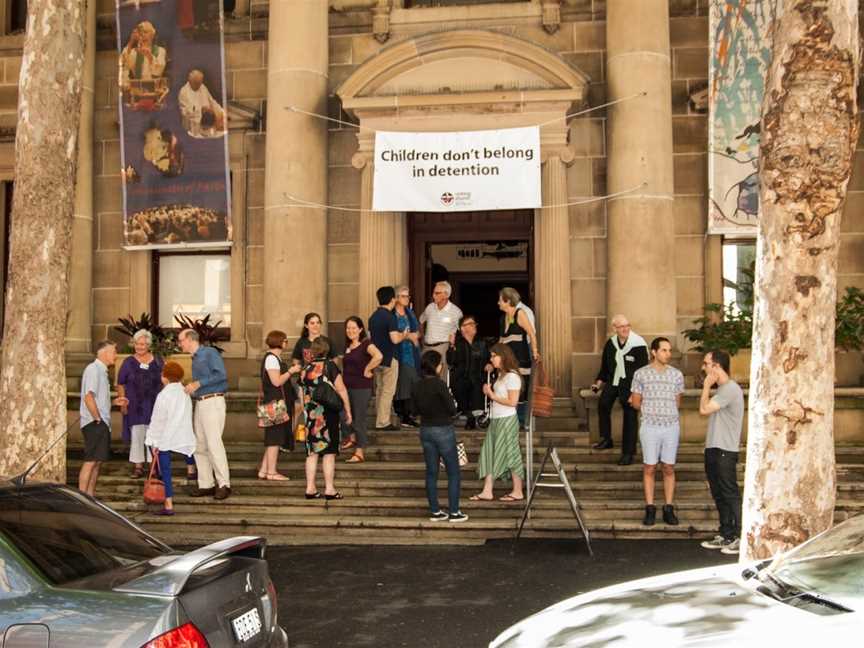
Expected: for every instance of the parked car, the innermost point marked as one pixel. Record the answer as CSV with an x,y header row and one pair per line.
x,y
75,573
810,596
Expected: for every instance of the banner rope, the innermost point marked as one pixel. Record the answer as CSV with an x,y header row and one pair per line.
x,y
551,121
298,202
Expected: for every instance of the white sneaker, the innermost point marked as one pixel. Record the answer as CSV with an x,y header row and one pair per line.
x,y
458,516
439,516
731,547
715,543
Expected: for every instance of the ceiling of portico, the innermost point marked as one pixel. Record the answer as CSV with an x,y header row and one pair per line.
x,y
461,62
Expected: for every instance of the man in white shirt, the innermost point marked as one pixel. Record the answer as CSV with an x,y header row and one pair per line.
x,y
202,115
439,322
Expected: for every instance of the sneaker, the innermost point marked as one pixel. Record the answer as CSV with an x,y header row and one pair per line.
x,y
439,516
731,547
715,543
409,422
388,428
458,516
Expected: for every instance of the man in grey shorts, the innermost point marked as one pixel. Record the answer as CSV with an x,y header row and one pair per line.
x,y
656,392
95,413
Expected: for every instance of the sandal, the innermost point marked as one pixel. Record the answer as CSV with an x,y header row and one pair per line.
x,y
355,458
262,475
137,473
348,444
315,495
334,496
477,498
509,498
277,477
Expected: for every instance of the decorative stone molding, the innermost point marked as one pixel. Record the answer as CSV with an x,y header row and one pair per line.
x,y
551,15
381,20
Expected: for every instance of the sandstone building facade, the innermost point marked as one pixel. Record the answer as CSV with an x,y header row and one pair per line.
x,y
426,65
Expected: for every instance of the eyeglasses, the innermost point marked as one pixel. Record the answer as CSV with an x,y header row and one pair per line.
x,y
404,296
440,292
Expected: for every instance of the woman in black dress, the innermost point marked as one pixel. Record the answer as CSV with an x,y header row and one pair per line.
x,y
467,360
275,385
322,422
518,333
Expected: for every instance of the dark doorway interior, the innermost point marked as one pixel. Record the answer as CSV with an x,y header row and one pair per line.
x,y
478,253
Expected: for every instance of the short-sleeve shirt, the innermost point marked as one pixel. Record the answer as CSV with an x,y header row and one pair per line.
x,y
660,390
381,323
303,355
440,323
506,383
724,425
95,380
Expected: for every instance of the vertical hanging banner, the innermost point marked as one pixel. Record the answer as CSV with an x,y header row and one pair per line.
x,y
740,57
459,171
173,124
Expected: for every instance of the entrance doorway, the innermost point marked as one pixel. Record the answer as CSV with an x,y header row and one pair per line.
x,y
478,253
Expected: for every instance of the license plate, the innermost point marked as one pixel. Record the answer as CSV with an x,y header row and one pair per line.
x,y
247,625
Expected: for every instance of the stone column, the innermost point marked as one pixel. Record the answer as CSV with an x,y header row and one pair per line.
x,y
80,308
295,236
641,272
382,243
552,284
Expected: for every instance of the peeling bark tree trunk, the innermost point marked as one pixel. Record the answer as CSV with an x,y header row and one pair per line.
x,y
809,133
33,378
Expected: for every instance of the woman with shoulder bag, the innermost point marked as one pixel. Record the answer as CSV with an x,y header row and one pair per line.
x,y
360,359
324,398
275,375
501,456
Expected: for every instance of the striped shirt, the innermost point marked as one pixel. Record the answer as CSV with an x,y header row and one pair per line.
x,y
440,323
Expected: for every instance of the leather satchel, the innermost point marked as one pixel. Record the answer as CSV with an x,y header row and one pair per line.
x,y
326,396
154,488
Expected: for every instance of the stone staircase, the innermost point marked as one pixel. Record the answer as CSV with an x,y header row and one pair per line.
x,y
385,499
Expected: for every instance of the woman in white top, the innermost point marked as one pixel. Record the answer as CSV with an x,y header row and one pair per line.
x,y
275,386
500,456
170,427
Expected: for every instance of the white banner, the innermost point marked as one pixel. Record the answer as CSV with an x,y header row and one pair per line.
x,y
463,171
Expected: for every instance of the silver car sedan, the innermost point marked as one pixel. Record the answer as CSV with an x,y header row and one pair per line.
x,y
812,595
75,573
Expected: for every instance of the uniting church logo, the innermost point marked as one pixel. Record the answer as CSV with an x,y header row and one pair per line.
x,y
447,198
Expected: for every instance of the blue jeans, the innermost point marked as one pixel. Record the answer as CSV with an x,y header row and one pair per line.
x,y
165,472
440,442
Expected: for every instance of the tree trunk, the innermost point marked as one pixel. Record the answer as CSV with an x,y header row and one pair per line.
x,y
33,378
809,134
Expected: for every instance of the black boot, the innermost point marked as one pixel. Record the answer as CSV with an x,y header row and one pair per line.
x,y
604,444
625,460
669,516
650,515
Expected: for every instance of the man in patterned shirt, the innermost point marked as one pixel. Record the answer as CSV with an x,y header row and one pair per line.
x,y
656,393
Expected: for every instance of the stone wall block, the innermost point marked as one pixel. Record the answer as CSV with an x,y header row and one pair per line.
x,y
588,297
108,194
852,254
343,186
110,269
588,219
690,134
588,36
109,304
583,334
110,231
691,173
690,63
691,214
342,264
689,258
244,55
581,258
343,227
690,295
249,84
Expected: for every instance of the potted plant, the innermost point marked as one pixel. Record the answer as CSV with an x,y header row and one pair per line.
x,y
164,341
208,334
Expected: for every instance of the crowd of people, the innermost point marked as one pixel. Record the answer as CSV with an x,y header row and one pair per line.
x,y
432,368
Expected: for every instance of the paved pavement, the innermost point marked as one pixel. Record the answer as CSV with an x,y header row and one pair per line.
x,y
450,597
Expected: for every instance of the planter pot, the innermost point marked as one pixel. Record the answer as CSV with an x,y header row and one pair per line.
x,y
740,366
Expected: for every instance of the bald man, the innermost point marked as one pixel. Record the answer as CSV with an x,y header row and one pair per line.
x,y
202,115
623,354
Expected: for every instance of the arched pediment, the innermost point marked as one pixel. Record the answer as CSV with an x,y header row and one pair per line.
x,y
461,62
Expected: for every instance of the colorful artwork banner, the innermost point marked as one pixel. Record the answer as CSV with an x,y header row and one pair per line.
x,y
740,57
457,171
173,124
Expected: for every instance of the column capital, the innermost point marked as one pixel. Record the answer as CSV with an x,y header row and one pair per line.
x,y
564,153
361,159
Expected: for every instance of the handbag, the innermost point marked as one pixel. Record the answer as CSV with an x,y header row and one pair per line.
x,y
154,488
461,453
326,396
273,413
541,393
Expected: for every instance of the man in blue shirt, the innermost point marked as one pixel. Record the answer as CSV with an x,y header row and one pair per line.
x,y
207,389
385,334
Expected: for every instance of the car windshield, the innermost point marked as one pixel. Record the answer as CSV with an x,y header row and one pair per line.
x,y
831,564
68,537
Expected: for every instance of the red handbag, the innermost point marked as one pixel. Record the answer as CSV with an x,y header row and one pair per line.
x,y
154,488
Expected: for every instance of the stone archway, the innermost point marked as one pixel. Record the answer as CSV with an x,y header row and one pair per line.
x,y
472,80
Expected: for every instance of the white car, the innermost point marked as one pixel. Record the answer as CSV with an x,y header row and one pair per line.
x,y
810,596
